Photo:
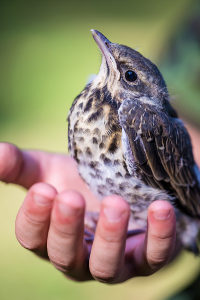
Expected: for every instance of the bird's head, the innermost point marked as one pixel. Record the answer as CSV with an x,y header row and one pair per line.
x,y
127,74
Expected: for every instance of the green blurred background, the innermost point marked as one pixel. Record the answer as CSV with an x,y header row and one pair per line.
x,y
46,56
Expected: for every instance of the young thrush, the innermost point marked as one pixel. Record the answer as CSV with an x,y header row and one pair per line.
x,y
128,140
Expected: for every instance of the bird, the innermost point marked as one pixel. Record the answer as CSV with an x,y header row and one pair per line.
x,y
128,140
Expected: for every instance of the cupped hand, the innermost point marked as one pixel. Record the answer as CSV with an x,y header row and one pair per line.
x,y
50,221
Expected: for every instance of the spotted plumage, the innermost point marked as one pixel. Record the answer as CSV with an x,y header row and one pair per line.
x,y
127,140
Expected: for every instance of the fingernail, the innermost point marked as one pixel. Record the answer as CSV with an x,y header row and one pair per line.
x,y
41,200
65,209
162,215
112,215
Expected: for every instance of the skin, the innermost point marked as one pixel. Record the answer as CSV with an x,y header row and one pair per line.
x,y
50,221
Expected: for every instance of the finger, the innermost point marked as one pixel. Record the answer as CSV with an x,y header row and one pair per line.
x,y
107,254
19,167
28,167
33,218
10,162
66,248
161,234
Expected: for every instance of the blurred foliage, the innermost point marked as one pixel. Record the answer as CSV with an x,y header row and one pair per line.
x,y
191,292
46,56
47,51
181,65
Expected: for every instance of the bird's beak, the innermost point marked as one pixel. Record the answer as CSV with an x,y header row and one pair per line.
x,y
104,45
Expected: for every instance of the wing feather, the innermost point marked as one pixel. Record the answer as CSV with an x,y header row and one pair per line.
x,y
162,151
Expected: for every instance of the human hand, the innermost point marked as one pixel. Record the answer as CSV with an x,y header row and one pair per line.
x,y
51,221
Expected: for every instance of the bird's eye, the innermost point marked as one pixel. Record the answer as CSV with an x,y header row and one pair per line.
x,y
131,76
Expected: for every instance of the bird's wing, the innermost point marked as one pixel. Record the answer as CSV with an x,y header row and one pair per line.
x,y
161,149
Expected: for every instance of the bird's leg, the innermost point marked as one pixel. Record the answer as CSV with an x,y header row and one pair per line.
x,y
89,236
91,220
135,232
135,228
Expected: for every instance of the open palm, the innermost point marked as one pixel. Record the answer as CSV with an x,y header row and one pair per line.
x,y
50,221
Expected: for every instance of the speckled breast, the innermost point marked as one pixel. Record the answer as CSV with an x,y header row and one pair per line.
x,y
96,145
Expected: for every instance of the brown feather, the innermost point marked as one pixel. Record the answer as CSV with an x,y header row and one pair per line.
x,y
162,150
